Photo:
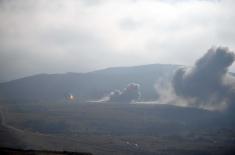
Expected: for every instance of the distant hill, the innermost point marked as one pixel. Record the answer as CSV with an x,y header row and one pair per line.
x,y
92,85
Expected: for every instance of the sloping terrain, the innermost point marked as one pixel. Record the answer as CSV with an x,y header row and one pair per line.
x,y
37,117
126,129
92,85
9,151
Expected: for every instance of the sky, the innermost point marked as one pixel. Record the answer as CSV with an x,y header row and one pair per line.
x,y
59,36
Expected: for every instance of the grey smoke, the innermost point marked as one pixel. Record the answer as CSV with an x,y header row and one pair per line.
x,y
206,84
130,93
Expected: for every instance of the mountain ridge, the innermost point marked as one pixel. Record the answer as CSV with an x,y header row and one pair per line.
x,y
90,85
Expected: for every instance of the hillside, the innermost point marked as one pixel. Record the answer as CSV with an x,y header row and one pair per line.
x,y
38,118
9,151
92,85
126,129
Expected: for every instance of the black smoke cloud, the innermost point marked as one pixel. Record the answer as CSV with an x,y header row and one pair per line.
x,y
206,84
130,93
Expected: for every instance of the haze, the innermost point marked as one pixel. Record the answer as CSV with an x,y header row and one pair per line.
x,y
39,36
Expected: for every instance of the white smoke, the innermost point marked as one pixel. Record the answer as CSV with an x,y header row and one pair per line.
x,y
128,94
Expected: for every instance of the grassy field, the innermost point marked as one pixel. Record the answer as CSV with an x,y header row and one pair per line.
x,y
120,128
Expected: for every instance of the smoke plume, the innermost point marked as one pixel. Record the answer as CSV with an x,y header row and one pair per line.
x,y
207,84
130,93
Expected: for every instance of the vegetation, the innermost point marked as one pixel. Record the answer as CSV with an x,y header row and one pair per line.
x,y
106,128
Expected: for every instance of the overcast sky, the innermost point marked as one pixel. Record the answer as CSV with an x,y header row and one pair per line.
x,y
56,36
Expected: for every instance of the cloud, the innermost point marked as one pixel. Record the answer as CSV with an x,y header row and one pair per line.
x,y
130,93
207,84
129,24
39,36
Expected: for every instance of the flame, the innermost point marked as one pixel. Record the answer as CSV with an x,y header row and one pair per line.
x,y
71,97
